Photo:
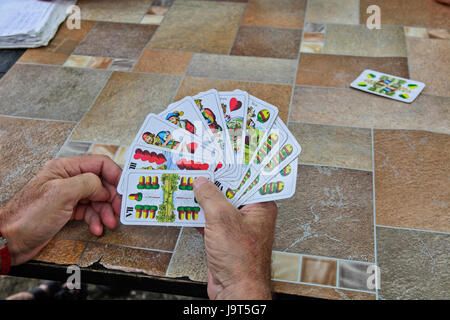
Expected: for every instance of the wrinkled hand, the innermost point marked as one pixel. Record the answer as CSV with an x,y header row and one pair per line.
x,y
238,244
78,188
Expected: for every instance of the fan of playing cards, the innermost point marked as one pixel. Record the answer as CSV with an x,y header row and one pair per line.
x,y
232,138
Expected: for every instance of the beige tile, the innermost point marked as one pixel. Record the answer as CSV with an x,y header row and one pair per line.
x,y
74,148
439,33
429,62
355,108
285,266
77,61
130,11
103,149
199,26
319,271
333,145
152,19
311,47
315,291
416,32
313,37
333,11
99,63
121,156
358,40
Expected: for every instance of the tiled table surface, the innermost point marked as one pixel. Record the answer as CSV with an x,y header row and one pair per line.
x,y
373,184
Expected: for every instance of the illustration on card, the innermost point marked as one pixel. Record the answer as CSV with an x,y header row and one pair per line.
x,y
209,116
389,86
175,118
254,130
166,140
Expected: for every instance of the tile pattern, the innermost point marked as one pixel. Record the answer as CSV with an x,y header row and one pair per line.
x,y
319,271
130,11
333,11
285,266
61,252
355,275
163,61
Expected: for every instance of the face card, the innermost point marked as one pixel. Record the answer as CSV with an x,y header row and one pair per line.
x,y
281,186
164,198
388,86
141,157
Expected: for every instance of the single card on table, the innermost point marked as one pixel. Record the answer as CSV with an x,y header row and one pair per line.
x,y
208,103
260,118
281,186
141,157
163,198
277,136
271,165
235,105
389,86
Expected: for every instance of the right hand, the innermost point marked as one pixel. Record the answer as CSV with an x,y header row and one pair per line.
x,y
238,244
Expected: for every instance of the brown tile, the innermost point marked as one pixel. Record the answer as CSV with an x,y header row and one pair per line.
x,y
163,61
334,146
429,62
326,70
413,264
121,108
189,258
278,95
117,40
61,251
412,187
289,14
158,10
313,36
25,151
320,292
285,266
330,214
319,271
130,11
356,108
421,13
60,47
354,275
99,63
74,148
104,149
135,260
267,42
199,26
333,11
92,254
439,33
311,47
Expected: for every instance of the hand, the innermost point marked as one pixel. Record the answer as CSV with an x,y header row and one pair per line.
x,y
238,244
78,188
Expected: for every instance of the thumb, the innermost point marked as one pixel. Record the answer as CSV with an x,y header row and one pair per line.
x,y
84,186
211,199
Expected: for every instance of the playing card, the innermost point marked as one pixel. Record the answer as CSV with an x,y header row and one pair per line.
x,y
150,157
389,86
164,198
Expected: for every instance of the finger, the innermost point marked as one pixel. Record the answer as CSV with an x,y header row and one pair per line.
x,y
106,213
82,186
268,206
93,220
79,211
212,200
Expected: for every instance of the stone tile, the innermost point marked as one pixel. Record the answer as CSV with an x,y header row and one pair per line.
x,y
242,68
8,57
77,61
285,266
334,146
356,108
61,251
320,292
122,65
311,47
333,11
92,254
353,275
99,63
420,13
158,10
439,33
163,61
120,156
199,26
313,37
288,14
429,62
50,92
278,95
327,70
152,19
330,214
120,110
162,3
189,258
130,11
22,155
416,32
267,42
413,264
60,47
116,40
319,271
412,179
314,27
104,149
388,41
74,148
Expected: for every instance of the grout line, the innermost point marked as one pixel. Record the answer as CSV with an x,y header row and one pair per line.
x,y
250,81
324,286
238,27
406,51
411,229
375,251
40,119
332,166
173,252
337,272
299,276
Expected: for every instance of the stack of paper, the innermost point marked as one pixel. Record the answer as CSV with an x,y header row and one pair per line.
x,y
30,23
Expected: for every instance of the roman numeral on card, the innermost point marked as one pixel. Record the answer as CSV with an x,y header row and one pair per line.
x,y
132,165
129,211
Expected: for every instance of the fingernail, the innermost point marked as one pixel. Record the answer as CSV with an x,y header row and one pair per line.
x,y
199,181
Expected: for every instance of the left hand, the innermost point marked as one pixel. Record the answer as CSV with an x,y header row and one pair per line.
x,y
82,187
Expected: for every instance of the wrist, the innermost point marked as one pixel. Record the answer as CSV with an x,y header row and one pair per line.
x,y
8,234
